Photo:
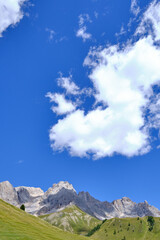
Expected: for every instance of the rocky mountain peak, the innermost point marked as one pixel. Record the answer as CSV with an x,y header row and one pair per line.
x,y
59,186
63,184
6,184
85,195
146,203
123,200
126,199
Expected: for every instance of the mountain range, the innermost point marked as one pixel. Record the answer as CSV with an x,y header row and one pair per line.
x,y
61,195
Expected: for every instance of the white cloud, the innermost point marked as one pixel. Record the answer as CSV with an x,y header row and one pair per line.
x,y
82,31
83,34
151,21
96,14
61,39
135,9
10,13
123,80
68,84
122,32
84,18
154,112
71,88
51,33
63,106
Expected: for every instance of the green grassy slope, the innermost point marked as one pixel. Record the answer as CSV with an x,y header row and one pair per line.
x,y
72,219
130,228
15,224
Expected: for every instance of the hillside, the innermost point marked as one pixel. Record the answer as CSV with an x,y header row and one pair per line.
x,y
16,224
128,229
72,219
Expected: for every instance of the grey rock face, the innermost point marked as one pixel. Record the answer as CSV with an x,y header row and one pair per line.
x,y
124,206
23,195
93,206
57,187
8,193
60,199
144,209
27,194
60,195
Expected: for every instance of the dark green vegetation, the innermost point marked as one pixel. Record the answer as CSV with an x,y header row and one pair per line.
x,y
22,207
147,228
95,229
151,222
72,219
16,224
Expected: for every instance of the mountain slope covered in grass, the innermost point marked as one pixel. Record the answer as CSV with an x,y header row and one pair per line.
x,y
18,225
129,229
72,219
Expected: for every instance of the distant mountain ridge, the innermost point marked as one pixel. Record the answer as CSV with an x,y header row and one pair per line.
x,y
61,195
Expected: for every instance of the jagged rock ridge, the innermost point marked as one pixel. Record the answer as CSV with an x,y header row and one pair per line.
x,y
60,195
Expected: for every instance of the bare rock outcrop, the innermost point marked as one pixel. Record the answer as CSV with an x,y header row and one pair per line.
x,y
60,195
27,194
8,193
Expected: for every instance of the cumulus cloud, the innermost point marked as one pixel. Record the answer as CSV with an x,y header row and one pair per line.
x,y
125,107
10,13
82,31
63,106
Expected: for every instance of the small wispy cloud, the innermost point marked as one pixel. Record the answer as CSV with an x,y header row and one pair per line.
x,y
61,39
51,33
96,14
84,18
122,32
135,9
55,36
68,84
70,87
83,34
20,162
82,31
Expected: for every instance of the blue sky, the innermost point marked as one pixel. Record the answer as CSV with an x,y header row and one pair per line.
x,y
80,96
